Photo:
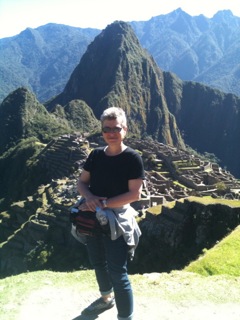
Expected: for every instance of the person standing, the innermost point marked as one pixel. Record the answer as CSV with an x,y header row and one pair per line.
x,y
111,179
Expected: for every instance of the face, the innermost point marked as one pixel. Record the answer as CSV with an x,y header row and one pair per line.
x,y
112,136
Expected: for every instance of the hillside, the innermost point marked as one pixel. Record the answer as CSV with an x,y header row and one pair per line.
x,y
22,117
42,59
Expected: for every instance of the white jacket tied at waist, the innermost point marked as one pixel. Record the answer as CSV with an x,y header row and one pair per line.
x,y
122,222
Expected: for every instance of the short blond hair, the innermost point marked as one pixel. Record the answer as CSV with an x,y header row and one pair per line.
x,y
114,113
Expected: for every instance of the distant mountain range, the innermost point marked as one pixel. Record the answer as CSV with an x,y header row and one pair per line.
x,y
194,48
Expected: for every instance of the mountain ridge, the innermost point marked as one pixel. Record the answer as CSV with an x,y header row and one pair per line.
x,y
212,59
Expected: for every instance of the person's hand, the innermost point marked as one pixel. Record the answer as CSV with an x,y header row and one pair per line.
x,y
91,203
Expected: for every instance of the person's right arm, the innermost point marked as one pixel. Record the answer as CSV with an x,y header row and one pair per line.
x,y
92,201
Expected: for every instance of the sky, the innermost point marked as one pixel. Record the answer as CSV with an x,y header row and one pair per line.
x,y
17,15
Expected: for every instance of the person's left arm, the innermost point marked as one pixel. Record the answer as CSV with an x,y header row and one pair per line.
x,y
133,194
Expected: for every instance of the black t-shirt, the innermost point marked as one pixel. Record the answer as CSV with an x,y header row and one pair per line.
x,y
109,175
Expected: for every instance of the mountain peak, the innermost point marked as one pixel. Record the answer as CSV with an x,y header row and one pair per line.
x,y
223,13
223,16
116,71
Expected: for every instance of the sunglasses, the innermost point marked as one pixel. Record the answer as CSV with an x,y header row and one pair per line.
x,y
112,130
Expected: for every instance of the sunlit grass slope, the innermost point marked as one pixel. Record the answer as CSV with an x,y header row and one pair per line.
x,y
224,258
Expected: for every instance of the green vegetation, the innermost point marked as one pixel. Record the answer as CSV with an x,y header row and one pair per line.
x,y
183,164
224,258
18,167
158,209
80,117
221,186
209,200
39,256
14,290
206,156
204,200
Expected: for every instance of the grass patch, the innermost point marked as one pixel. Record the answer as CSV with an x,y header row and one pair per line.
x,y
14,290
185,164
181,185
203,200
158,209
224,258
209,200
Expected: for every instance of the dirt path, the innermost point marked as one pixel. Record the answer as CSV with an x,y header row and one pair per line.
x,y
51,303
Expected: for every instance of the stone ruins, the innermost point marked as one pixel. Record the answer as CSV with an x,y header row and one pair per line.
x,y
169,240
171,173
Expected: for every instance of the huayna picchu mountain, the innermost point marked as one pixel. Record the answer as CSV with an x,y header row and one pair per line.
x,y
117,71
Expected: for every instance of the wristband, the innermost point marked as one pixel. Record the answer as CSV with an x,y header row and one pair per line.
x,y
104,202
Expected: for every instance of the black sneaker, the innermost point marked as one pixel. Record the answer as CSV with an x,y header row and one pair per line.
x,y
98,306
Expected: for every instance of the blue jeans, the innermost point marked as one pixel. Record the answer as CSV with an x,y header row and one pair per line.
x,y
109,260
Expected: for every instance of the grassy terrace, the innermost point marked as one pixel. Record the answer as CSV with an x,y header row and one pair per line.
x,y
203,200
223,258
185,165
